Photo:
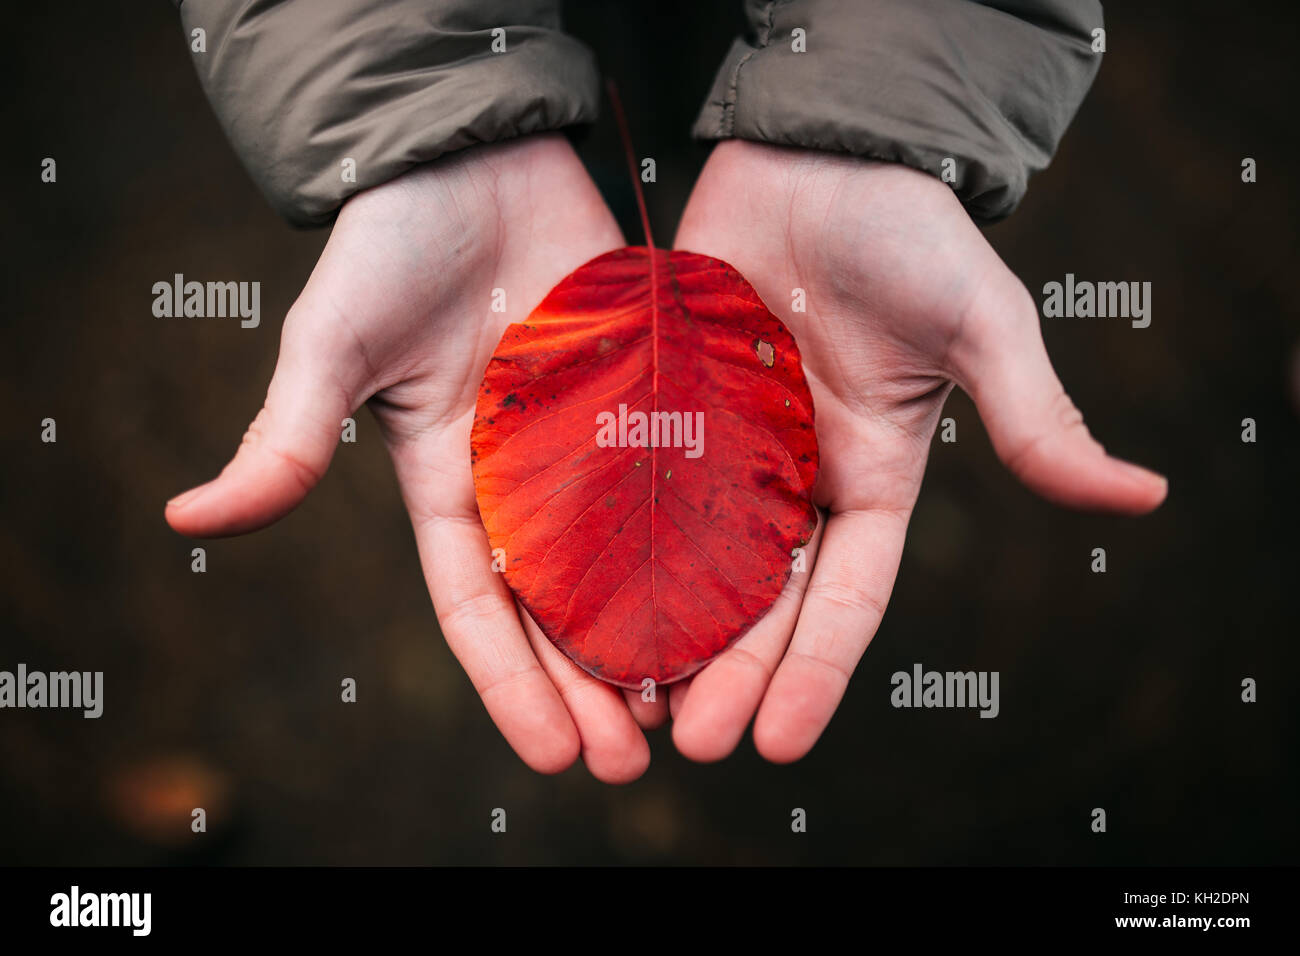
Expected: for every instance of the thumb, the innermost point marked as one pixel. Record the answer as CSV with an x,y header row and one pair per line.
x,y
1036,430
283,455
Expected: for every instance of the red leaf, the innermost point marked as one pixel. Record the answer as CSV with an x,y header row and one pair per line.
x,y
646,561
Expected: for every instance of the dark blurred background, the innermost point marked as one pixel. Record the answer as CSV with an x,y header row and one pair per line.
x,y
1119,690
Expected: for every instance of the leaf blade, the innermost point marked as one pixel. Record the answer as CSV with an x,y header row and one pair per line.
x,y
646,561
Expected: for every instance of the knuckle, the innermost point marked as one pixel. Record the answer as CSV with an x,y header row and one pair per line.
x,y
823,663
751,661
496,683
473,609
846,596
1065,413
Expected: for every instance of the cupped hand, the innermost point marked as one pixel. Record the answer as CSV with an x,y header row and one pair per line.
x,y
904,298
399,313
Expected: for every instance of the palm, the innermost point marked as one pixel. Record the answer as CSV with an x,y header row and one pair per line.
x,y
903,297
399,312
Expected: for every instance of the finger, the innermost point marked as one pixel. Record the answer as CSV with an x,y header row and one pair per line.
x,y
285,450
649,714
841,610
724,695
1035,428
677,696
613,747
480,621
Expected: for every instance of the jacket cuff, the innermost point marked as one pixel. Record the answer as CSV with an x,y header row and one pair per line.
x,y
989,86
302,86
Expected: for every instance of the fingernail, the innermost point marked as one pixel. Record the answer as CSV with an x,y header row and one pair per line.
x,y
1140,473
181,500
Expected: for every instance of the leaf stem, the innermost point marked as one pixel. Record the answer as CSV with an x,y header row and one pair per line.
x,y
621,118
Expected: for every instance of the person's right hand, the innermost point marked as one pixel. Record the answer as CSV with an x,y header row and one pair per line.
x,y
398,313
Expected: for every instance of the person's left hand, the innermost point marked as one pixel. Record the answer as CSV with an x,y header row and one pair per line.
x,y
904,299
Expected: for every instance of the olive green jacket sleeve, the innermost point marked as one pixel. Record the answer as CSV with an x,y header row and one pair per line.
x,y
990,86
324,98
